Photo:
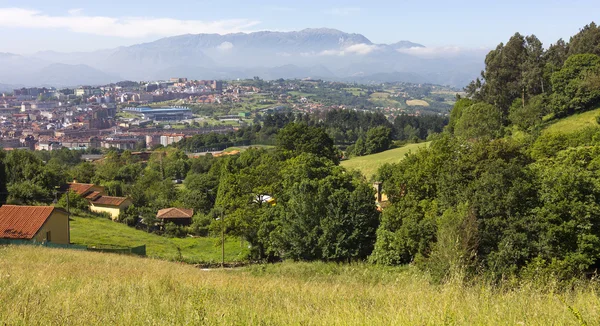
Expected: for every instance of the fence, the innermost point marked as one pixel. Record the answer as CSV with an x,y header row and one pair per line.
x,y
41,244
139,251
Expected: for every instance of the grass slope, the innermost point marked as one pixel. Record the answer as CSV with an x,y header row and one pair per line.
x,y
574,123
52,286
369,164
102,232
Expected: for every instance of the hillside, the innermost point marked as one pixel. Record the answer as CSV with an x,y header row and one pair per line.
x,y
52,286
574,123
104,233
369,164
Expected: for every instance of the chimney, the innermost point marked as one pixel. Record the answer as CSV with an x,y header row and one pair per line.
x,y
378,189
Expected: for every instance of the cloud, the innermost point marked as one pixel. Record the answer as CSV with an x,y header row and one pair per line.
x,y
225,46
125,27
359,49
344,11
442,51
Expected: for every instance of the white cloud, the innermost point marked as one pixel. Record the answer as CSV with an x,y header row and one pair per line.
x,y
442,51
359,49
225,46
125,27
344,11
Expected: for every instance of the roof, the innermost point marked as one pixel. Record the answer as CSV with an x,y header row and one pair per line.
x,y
175,213
109,201
23,222
92,195
79,188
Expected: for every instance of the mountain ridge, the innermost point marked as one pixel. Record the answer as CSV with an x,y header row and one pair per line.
x,y
268,53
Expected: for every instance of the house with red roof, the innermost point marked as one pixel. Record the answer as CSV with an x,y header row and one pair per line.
x,y
178,216
34,223
99,202
111,205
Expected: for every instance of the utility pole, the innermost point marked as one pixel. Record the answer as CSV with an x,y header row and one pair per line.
x,y
222,239
68,210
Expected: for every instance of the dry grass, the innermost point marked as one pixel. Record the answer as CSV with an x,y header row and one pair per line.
x,y
51,286
416,103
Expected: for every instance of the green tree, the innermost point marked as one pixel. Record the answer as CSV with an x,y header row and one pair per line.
x,y
576,84
378,140
297,138
480,120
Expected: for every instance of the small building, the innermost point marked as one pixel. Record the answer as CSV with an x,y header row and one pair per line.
x,y
178,216
111,205
34,223
83,189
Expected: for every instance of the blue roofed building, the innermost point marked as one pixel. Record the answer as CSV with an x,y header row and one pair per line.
x,y
161,114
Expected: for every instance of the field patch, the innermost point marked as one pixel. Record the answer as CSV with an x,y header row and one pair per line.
x,y
100,232
574,123
369,164
416,103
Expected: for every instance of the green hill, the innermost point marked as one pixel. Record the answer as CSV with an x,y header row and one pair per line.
x,y
369,164
41,286
101,232
574,123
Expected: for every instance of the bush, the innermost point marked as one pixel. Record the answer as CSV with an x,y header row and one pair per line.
x,y
200,225
175,231
75,201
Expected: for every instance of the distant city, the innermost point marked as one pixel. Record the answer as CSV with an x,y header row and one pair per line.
x,y
142,115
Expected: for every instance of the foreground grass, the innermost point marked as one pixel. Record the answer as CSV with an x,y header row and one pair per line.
x,y
369,164
53,286
574,123
101,232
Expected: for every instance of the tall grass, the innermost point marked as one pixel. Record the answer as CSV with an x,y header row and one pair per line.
x,y
52,286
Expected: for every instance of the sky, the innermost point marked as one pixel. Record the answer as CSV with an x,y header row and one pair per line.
x,y
29,26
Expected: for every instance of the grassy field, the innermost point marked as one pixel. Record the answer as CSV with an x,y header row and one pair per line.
x,y
417,103
51,286
574,123
102,232
369,164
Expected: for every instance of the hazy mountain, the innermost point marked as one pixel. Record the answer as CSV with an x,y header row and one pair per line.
x,y
318,53
63,75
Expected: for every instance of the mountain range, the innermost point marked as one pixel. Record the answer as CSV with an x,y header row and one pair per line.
x,y
317,53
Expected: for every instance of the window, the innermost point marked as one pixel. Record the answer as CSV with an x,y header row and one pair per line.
x,y
48,236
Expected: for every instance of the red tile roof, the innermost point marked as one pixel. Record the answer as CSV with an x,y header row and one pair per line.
x,y
175,213
22,222
80,188
109,201
92,195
